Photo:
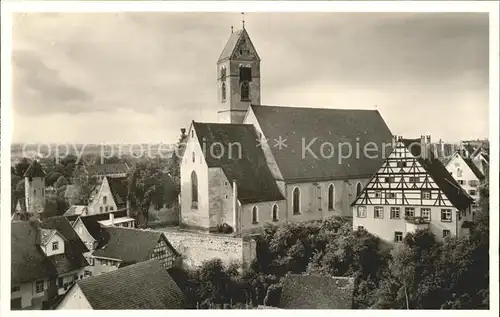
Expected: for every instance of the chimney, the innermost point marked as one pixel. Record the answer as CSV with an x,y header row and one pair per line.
x,y
183,131
236,214
441,146
112,218
423,147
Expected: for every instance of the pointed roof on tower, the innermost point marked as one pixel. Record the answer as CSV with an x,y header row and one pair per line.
x,y
34,170
234,42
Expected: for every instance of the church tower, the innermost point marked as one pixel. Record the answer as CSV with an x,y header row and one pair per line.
x,y
238,77
34,186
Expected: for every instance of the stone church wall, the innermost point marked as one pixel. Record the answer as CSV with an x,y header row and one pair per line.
x,y
195,248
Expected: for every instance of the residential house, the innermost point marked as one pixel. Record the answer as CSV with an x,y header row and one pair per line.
x,y
467,174
145,285
412,190
111,196
317,292
274,164
102,171
47,258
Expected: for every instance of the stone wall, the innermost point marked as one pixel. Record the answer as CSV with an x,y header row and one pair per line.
x,y
195,248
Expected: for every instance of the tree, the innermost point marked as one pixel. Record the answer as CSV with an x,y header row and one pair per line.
x,y
85,183
61,181
174,163
147,187
51,178
22,166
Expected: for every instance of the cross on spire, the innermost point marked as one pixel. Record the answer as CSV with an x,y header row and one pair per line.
x,y
243,19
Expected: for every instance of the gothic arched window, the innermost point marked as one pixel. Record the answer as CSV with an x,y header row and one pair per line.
x,y
245,91
359,188
296,201
275,213
223,91
255,218
194,190
331,197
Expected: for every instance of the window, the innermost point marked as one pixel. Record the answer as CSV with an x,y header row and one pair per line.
x,y
426,194
106,208
125,225
472,192
459,172
245,91
34,192
226,183
111,208
254,215
414,179
378,212
398,236
15,288
55,245
223,91
359,187
275,213
473,183
378,194
245,73
192,133
410,212
461,182
39,286
101,209
104,200
331,197
446,215
223,73
389,179
361,211
446,233
296,201
194,157
226,196
194,190
390,195
401,163
60,282
395,213
425,213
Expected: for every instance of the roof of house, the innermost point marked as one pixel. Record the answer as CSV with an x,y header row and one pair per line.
x,y
457,196
146,285
129,245
119,190
92,222
29,262
75,211
109,169
317,292
474,168
34,170
231,44
250,170
300,127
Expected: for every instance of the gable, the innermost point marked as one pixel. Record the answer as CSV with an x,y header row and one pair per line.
x,y
97,201
396,177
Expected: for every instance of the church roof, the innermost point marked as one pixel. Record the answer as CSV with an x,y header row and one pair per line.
x,y
232,43
250,170
300,126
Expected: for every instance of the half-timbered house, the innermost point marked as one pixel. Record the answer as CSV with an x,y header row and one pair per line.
x,y
412,190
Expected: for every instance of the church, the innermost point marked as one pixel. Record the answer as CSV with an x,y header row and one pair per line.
x,y
272,164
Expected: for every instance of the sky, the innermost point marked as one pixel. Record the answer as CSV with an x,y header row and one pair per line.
x,y
140,77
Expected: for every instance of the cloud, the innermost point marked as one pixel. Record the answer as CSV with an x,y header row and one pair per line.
x,y
86,68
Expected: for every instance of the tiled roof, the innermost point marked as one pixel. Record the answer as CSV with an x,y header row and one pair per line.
x,y
250,171
108,169
29,262
457,196
92,222
34,170
130,245
316,292
145,285
301,126
75,210
119,190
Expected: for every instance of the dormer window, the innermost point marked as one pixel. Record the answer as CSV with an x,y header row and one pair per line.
x,y
55,246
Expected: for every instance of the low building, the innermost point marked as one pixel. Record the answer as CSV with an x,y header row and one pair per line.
x,y
47,258
317,292
145,285
102,171
412,190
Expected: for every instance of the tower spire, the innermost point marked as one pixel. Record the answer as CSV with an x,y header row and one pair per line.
x,y
243,19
